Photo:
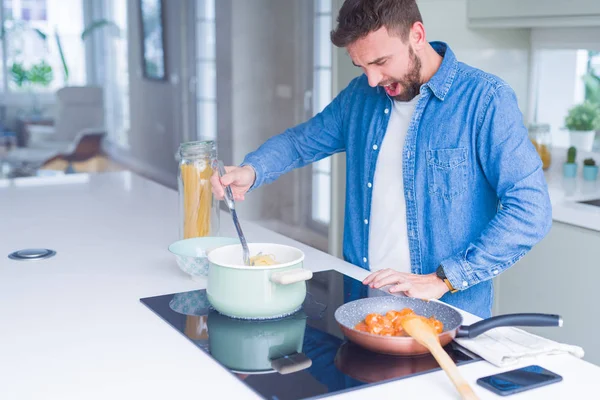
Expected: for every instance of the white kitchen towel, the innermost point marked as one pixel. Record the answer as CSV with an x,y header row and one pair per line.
x,y
507,346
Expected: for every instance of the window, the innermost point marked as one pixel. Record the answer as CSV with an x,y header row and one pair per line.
x,y
322,78
206,100
116,77
565,78
42,48
565,72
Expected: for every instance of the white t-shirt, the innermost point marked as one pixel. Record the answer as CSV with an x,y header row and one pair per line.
x,y
388,233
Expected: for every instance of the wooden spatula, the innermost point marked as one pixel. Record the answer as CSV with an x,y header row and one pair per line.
x,y
417,327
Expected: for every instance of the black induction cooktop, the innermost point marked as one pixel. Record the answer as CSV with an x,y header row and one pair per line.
x,y
301,356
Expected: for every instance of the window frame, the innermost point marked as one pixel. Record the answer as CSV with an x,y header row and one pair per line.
x,y
314,172
202,62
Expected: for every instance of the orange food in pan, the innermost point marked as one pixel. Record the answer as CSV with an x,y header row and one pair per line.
x,y
390,324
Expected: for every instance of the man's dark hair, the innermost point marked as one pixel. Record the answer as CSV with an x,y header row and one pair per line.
x,y
358,18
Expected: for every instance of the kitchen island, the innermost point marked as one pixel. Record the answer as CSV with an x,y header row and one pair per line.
x,y
73,326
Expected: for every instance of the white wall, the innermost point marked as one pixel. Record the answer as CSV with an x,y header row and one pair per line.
x,y
258,50
503,52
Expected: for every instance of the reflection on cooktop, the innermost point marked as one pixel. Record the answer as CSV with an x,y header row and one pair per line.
x,y
300,356
595,202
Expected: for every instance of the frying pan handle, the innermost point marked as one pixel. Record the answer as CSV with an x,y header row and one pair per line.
x,y
527,319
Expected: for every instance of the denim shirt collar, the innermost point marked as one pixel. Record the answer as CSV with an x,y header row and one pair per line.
x,y
441,81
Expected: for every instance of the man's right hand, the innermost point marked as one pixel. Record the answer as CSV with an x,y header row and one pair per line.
x,y
240,179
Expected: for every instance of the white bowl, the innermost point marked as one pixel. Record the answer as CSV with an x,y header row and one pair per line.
x,y
191,254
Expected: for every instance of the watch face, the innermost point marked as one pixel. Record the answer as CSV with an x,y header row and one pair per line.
x,y
440,272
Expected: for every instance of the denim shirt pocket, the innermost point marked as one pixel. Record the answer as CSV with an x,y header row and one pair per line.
x,y
447,172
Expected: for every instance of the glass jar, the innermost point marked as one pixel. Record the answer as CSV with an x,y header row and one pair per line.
x,y
199,209
540,136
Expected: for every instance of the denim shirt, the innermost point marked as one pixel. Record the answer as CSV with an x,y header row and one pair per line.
x,y
476,196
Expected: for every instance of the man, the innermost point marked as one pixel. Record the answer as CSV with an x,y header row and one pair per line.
x,y
444,189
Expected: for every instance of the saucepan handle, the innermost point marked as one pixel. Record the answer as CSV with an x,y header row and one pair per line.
x,y
526,319
292,363
291,276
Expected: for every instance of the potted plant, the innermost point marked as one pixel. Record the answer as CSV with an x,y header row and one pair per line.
x,y
570,167
39,74
17,27
582,121
590,169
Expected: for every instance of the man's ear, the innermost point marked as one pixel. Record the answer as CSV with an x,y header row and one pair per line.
x,y
417,36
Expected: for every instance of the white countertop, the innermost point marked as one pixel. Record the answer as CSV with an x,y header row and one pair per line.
x,y
566,193
72,327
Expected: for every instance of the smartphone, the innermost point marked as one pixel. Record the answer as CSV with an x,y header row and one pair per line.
x,y
518,380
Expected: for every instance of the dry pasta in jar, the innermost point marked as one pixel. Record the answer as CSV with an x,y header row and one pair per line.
x,y
199,211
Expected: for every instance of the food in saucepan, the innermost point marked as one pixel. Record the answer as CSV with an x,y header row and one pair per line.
x,y
262,259
390,324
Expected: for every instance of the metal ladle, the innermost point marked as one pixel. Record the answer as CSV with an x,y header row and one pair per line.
x,y
231,205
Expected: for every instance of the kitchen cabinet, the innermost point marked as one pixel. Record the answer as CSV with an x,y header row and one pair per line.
x,y
532,13
560,275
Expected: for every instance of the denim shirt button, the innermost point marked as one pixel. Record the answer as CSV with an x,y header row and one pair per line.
x,y
375,147
408,155
369,184
366,221
409,195
465,284
364,259
387,110
495,272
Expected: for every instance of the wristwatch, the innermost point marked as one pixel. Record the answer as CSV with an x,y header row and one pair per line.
x,y
442,275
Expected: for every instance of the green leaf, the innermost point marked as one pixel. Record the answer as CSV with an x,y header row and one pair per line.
x,y
41,34
63,60
18,74
40,74
97,25
583,117
592,87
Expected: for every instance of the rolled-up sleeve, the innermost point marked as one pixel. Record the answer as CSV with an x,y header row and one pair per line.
x,y
513,168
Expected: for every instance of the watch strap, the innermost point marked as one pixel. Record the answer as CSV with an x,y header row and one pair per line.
x,y
442,275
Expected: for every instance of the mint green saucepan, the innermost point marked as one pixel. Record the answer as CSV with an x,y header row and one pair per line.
x,y
256,292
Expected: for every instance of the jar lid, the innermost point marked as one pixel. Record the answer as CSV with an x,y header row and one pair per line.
x,y
539,128
197,148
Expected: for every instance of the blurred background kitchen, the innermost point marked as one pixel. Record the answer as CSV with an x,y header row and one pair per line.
x,y
107,85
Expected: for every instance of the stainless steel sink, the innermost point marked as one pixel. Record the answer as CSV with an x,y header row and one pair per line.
x,y
594,202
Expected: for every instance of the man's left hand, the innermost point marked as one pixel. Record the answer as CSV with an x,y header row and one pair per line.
x,y
421,286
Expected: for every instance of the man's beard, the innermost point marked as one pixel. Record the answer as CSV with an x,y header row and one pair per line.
x,y
411,83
